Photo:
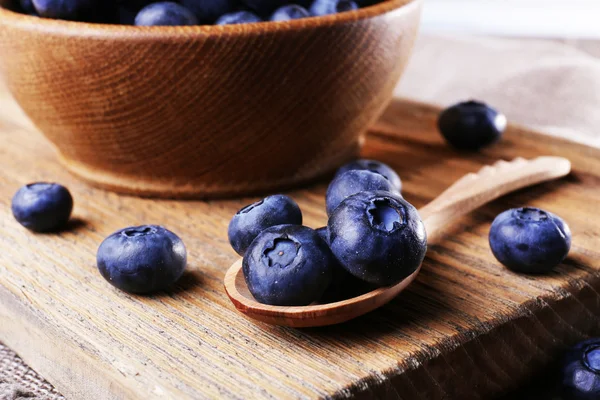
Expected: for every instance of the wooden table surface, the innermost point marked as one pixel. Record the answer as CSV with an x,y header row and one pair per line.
x,y
467,328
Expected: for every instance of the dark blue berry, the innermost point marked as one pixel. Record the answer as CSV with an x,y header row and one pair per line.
x,y
125,16
165,13
142,259
343,284
378,237
288,265
209,10
325,7
580,372
42,207
529,240
238,17
76,10
323,233
251,220
373,166
289,12
27,7
352,182
471,125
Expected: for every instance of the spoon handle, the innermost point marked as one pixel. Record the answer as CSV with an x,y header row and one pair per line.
x,y
492,181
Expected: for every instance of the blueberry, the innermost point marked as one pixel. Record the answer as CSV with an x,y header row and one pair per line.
x,y
142,259
76,10
580,372
42,207
165,13
238,17
378,237
352,182
323,233
529,240
126,16
209,10
251,220
288,265
471,125
343,284
27,7
373,166
127,10
325,7
289,12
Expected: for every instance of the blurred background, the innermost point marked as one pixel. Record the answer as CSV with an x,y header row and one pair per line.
x,y
536,60
531,18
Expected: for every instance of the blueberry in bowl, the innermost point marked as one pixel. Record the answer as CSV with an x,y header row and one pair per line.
x,y
288,265
580,372
289,12
529,240
142,259
326,7
378,237
471,125
251,220
42,206
374,166
164,14
238,17
352,182
208,11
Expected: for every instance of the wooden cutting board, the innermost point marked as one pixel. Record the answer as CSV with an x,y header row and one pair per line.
x,y
467,328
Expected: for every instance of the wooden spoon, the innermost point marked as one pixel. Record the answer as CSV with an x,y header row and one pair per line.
x,y
465,195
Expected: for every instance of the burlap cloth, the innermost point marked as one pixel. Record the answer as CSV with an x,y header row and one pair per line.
x,y
552,86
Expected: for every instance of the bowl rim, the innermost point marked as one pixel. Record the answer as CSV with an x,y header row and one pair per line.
x,y
74,28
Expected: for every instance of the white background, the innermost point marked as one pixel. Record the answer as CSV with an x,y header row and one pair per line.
x,y
524,18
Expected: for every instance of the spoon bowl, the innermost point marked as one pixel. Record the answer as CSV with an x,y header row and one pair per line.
x,y
312,315
465,195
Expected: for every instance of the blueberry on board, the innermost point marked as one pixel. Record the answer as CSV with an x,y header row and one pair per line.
x,y
209,10
325,7
238,17
289,12
580,372
142,259
378,237
165,13
288,265
251,220
529,240
75,10
352,182
42,207
373,166
471,125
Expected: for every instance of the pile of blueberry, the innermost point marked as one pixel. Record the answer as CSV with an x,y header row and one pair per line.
x,y
373,238
183,12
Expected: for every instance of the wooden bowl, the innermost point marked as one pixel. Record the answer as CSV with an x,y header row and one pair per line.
x,y
207,111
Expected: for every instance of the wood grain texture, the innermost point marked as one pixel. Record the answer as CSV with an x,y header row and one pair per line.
x,y
466,328
464,196
207,111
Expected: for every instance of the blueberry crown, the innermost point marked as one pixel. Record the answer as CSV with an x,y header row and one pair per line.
x,y
386,215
